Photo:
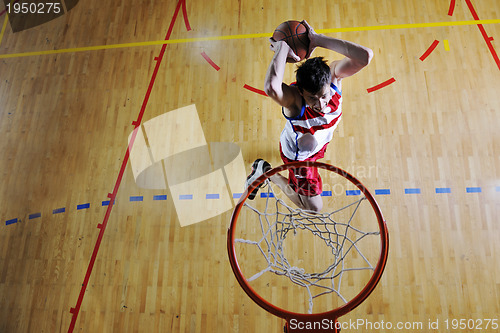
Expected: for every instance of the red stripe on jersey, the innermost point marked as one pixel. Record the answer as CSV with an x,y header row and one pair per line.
x,y
314,129
310,114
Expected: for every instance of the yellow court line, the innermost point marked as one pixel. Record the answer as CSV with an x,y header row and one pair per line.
x,y
3,28
446,45
248,36
411,26
5,23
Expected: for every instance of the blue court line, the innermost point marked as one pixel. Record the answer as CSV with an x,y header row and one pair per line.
x,y
352,192
438,190
11,221
412,191
83,206
383,191
34,216
59,210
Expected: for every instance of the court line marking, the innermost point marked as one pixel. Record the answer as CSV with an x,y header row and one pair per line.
x,y
352,192
5,10
381,85
429,50
413,191
210,61
245,36
185,15
487,38
255,90
440,190
112,196
6,19
4,27
34,216
210,196
59,210
446,45
451,8
83,206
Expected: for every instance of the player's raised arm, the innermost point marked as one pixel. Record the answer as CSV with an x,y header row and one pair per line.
x,y
274,87
356,56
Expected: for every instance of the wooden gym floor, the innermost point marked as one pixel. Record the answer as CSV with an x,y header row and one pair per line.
x,y
71,89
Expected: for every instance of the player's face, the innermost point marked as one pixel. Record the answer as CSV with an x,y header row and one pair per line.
x,y
318,101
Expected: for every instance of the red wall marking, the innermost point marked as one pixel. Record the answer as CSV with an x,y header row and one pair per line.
x,y
487,38
429,50
452,7
207,58
381,85
102,226
255,90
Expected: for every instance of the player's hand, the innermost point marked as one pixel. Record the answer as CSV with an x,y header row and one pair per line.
x,y
277,46
312,38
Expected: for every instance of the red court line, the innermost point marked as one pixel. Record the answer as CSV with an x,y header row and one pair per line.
x,y
184,13
487,38
429,50
102,226
255,90
452,7
381,85
207,58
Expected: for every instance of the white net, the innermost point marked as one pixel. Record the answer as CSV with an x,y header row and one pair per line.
x,y
340,230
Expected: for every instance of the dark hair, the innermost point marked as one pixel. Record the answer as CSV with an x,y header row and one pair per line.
x,y
313,74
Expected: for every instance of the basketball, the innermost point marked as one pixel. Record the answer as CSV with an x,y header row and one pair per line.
x,y
294,33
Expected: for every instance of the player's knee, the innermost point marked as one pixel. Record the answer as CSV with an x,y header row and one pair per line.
x,y
315,205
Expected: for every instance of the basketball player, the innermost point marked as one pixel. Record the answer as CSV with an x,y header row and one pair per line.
x,y
312,108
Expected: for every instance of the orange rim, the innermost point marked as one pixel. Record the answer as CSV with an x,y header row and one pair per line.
x,y
335,313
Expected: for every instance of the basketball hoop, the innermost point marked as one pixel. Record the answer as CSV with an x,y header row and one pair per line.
x,y
350,227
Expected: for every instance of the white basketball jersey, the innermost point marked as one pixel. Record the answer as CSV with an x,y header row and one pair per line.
x,y
320,125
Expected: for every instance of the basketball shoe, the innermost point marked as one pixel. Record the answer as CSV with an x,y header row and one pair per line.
x,y
259,167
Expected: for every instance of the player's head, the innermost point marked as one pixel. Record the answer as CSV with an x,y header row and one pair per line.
x,y
313,80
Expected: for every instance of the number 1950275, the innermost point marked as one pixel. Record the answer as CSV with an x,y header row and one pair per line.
x,y
34,8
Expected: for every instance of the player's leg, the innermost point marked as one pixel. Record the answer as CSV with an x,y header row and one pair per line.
x,y
259,167
309,186
284,185
314,203
306,190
